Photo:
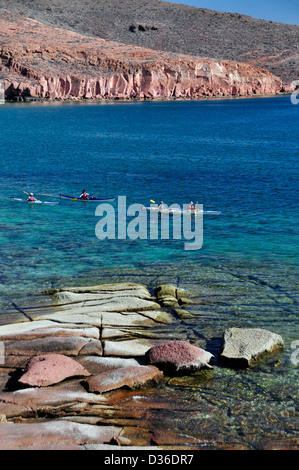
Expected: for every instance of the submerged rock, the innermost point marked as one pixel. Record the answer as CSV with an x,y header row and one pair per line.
x,y
242,347
181,313
179,356
165,291
171,298
50,369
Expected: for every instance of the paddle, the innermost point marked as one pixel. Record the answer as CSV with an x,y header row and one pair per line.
x,y
49,195
26,193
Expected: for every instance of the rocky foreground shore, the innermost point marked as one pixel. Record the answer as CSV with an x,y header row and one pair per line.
x,y
68,370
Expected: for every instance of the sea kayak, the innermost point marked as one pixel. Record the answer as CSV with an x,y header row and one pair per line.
x,y
48,203
181,211
90,199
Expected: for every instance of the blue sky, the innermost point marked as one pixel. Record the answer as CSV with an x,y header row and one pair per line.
x,y
282,11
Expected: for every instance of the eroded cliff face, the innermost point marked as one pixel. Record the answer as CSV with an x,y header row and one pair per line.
x,y
46,62
175,28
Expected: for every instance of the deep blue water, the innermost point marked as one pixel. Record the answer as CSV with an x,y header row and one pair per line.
x,y
237,156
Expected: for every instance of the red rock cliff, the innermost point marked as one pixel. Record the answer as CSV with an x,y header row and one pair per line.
x,y
52,63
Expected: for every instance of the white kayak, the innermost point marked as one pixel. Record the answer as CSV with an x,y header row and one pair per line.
x,y
48,203
181,211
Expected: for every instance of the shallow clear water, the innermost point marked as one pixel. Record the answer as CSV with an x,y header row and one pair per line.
x,y
238,156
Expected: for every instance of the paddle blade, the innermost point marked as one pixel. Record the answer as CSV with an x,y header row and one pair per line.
x,y
49,195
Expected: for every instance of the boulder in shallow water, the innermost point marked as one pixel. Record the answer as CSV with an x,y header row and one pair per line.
x,y
179,357
242,347
50,369
165,291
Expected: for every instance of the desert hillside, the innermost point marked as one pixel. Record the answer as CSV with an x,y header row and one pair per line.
x,y
47,62
177,28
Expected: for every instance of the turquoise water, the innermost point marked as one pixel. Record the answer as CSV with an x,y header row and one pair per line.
x,y
237,156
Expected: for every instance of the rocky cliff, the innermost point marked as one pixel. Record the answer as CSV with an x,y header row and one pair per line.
x,y
41,61
173,27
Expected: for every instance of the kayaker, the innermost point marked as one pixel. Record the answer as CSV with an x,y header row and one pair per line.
x,y
84,194
162,205
191,206
31,198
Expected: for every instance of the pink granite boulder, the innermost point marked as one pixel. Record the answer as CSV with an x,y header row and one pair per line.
x,y
179,357
50,369
131,377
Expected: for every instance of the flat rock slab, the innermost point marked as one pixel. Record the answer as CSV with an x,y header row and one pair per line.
x,y
96,365
34,329
118,303
131,377
99,318
130,348
158,316
179,356
30,402
96,333
38,331
242,347
68,297
107,288
50,369
69,346
54,435
114,333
